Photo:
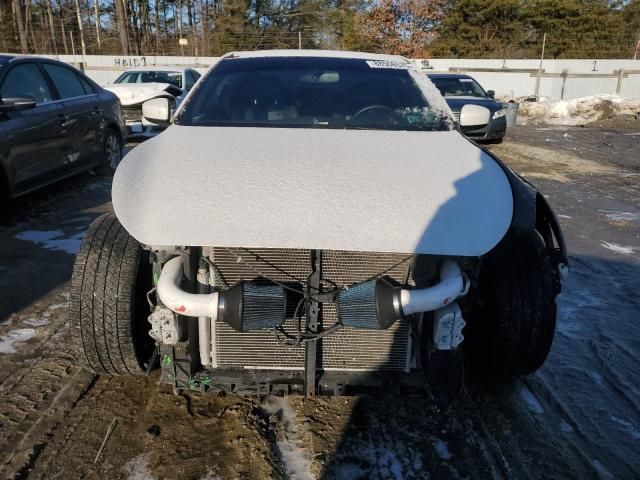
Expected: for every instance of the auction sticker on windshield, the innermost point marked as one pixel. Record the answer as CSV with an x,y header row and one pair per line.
x,y
388,64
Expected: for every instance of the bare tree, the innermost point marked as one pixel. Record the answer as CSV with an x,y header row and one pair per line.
x,y
80,27
121,20
52,28
17,11
97,10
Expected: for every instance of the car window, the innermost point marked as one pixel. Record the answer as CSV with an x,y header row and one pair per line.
x,y
66,81
458,87
312,93
88,88
151,76
127,77
26,80
191,80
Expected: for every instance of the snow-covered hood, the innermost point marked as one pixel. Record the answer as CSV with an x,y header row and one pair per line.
x,y
134,93
385,191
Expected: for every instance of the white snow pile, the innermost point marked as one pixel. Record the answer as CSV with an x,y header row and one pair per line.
x,y
15,336
579,111
294,460
138,468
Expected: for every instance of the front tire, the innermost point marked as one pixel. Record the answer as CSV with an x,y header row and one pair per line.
x,y
512,331
108,307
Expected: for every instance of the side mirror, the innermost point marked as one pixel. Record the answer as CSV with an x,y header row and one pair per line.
x,y
474,116
14,104
491,93
158,111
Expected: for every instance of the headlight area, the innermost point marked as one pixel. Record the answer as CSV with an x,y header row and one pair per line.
x,y
499,113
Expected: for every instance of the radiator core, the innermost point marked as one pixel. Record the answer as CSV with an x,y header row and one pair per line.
x,y
347,349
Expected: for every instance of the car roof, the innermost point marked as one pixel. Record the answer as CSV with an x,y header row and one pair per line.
x,y
313,53
4,59
159,68
9,58
448,75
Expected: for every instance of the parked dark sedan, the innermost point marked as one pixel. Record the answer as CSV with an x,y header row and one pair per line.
x,y
54,122
459,90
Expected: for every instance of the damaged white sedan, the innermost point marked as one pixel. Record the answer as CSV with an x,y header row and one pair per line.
x,y
136,86
315,222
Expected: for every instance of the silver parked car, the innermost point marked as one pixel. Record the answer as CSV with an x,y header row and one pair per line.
x,y
137,85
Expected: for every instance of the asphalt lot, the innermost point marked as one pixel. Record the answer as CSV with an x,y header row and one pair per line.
x,y
578,417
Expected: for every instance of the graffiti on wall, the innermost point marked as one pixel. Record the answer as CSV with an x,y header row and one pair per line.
x,y
130,61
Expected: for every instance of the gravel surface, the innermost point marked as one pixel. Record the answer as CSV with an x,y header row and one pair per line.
x,y
578,417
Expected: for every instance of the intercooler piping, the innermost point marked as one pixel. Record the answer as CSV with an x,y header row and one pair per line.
x,y
179,301
452,285
204,323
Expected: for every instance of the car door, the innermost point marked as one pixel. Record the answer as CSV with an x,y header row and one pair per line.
x,y
84,119
32,142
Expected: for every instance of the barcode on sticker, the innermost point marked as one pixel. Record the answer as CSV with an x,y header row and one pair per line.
x,y
388,64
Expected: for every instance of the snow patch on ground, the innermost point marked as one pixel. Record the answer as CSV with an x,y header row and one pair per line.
x,y
575,302
36,322
579,111
138,468
382,452
211,476
55,240
15,336
565,427
627,426
383,461
614,247
59,305
442,449
596,377
530,401
296,464
620,216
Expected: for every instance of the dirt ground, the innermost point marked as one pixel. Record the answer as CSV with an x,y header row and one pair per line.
x,y
578,417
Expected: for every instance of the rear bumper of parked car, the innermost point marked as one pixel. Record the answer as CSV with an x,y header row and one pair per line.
x,y
494,130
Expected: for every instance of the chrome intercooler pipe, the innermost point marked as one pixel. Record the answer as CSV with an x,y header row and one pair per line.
x,y
179,301
452,285
376,304
379,303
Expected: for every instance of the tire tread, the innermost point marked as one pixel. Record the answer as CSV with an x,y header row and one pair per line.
x,y
102,301
514,331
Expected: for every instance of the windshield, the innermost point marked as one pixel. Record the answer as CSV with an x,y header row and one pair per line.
x,y
173,78
458,87
311,93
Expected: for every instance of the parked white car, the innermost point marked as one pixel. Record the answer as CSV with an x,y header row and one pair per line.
x,y
312,221
137,85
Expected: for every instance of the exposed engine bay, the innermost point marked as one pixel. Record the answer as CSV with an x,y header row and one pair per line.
x,y
314,319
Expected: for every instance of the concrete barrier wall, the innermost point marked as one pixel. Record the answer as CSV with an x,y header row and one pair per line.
x,y
560,79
